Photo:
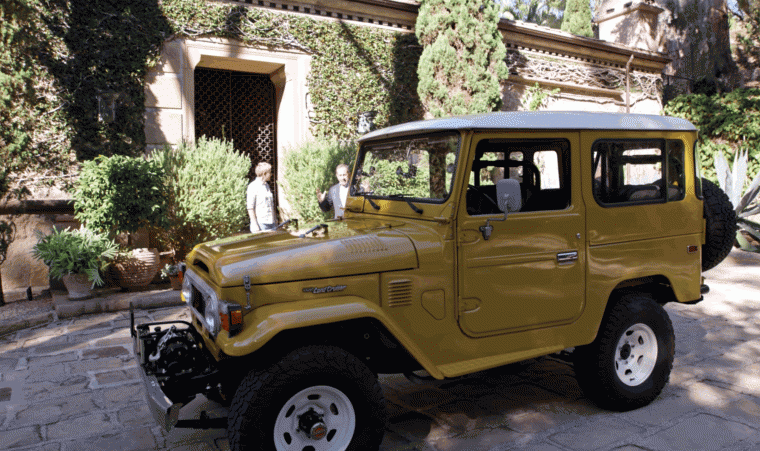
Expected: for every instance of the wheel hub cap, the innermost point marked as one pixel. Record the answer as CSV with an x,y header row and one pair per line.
x,y
312,425
318,431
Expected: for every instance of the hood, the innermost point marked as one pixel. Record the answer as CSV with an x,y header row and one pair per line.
x,y
284,257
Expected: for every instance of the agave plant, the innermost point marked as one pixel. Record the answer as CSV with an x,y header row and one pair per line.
x,y
746,205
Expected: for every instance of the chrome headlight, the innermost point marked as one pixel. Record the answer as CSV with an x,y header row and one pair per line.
x,y
211,315
202,300
187,291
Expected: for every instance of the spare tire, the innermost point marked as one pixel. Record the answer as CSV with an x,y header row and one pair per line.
x,y
720,232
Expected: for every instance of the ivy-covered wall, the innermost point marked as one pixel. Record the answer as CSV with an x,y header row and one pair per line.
x,y
80,51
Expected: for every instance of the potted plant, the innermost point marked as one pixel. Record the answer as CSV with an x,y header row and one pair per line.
x,y
76,256
173,273
121,194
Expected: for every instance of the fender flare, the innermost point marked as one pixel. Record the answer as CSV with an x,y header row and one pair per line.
x,y
267,321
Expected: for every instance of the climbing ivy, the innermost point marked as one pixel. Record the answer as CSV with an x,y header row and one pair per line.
x,y
353,69
726,122
82,51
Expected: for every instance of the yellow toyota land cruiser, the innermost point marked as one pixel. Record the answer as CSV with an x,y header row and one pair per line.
x,y
467,243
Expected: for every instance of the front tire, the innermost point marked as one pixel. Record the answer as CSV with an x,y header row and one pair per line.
x,y
317,398
629,363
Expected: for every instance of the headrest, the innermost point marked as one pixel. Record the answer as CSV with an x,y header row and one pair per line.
x,y
508,195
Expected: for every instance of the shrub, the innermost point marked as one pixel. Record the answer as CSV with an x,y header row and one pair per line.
x,y
577,18
205,184
75,252
120,194
462,62
727,122
311,167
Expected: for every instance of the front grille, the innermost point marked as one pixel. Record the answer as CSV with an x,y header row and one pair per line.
x,y
199,301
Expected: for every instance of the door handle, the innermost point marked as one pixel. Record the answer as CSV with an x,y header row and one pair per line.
x,y
564,258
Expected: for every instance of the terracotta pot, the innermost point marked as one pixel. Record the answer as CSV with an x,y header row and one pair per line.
x,y
137,271
79,286
176,281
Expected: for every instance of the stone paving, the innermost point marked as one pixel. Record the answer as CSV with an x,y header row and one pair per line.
x,y
74,385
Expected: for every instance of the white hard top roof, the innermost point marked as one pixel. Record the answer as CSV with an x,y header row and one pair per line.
x,y
537,120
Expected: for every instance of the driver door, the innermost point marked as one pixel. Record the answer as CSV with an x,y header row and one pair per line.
x,y
530,272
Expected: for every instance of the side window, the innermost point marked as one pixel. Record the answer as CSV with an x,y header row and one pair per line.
x,y
540,170
676,171
638,171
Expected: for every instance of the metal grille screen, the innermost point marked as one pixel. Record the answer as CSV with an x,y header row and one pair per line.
x,y
238,106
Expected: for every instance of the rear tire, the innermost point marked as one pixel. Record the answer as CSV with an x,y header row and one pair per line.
x,y
720,218
318,398
629,363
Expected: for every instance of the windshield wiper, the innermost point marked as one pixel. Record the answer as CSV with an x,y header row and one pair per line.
x,y
365,194
314,229
416,209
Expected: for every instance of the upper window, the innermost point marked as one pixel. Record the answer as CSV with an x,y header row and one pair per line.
x,y
540,167
635,171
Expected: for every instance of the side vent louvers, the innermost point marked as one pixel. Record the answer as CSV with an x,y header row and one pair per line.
x,y
399,293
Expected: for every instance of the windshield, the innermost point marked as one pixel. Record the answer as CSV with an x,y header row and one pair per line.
x,y
420,168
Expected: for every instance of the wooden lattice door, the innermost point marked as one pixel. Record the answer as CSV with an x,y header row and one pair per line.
x,y
239,106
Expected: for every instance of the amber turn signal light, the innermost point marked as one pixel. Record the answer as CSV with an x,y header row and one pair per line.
x,y
232,319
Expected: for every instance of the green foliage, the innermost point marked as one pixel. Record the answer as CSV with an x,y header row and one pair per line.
x,y
746,202
535,97
543,12
120,194
462,62
205,192
748,37
727,122
75,252
577,18
311,167
102,47
15,84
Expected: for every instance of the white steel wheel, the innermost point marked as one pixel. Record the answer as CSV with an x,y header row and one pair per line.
x,y
636,354
629,362
316,418
316,398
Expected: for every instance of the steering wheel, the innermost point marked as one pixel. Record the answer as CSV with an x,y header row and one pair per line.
x,y
477,207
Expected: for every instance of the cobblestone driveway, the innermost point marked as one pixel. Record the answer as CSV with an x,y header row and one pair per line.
x,y
73,385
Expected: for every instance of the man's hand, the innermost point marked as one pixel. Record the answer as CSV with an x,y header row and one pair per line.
x,y
321,195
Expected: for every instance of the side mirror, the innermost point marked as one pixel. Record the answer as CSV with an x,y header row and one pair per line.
x,y
506,207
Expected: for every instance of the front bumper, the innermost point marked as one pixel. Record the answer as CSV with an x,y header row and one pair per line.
x,y
173,367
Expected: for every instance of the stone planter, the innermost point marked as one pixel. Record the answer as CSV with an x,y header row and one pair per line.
x,y
137,271
79,286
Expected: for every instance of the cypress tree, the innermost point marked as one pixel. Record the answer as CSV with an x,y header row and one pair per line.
x,y
577,18
462,62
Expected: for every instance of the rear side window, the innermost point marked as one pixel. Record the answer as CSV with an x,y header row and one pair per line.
x,y
633,171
